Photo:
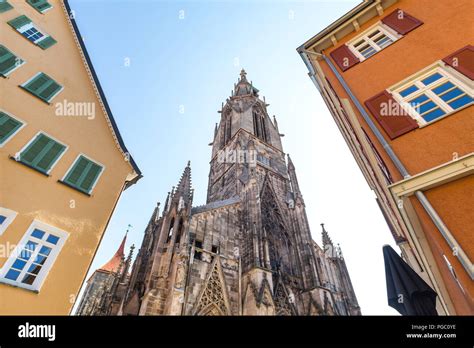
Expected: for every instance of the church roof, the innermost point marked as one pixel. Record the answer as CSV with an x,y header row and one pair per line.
x,y
113,264
215,205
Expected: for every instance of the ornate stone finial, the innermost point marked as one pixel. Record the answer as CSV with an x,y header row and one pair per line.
x,y
243,75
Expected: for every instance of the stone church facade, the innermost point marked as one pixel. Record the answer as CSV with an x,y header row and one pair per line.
x,y
248,250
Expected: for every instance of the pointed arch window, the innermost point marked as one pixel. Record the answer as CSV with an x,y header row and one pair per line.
x,y
259,125
170,231
228,128
180,231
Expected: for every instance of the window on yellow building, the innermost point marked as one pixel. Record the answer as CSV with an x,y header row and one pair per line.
x,y
40,5
5,6
41,153
6,218
372,41
433,93
42,86
34,256
83,175
29,30
8,61
9,126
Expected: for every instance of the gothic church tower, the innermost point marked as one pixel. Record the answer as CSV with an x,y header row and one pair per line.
x,y
248,250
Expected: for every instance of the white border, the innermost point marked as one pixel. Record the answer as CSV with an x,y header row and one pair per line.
x,y
72,166
38,282
15,132
10,216
17,155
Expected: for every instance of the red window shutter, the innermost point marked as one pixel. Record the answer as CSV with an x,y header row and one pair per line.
x,y
401,22
390,115
463,61
344,57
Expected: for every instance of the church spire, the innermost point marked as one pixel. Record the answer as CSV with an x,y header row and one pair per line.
x,y
127,264
184,186
113,265
243,75
244,87
325,236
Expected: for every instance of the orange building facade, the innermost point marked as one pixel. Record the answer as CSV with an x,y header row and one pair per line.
x,y
397,77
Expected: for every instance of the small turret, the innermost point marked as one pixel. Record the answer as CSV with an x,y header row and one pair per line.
x,y
184,186
325,237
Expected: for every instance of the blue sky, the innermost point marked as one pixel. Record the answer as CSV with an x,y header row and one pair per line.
x,y
166,67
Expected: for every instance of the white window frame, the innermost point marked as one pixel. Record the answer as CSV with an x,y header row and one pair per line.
x,y
389,32
10,216
15,132
46,268
448,73
17,155
36,75
90,159
29,26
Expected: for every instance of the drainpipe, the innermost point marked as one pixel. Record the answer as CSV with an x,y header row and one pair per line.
x,y
311,72
455,247
459,253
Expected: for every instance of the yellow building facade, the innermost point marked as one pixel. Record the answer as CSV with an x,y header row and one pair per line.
x,y
63,163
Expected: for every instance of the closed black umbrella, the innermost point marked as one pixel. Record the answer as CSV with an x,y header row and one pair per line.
x,y
406,291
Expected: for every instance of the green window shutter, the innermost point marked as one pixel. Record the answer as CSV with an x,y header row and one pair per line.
x,y
5,6
39,5
91,177
43,86
47,42
76,172
20,21
42,153
8,61
50,156
49,91
8,126
83,174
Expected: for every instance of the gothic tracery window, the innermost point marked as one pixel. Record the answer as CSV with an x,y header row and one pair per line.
x,y
280,246
180,231
170,231
259,125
